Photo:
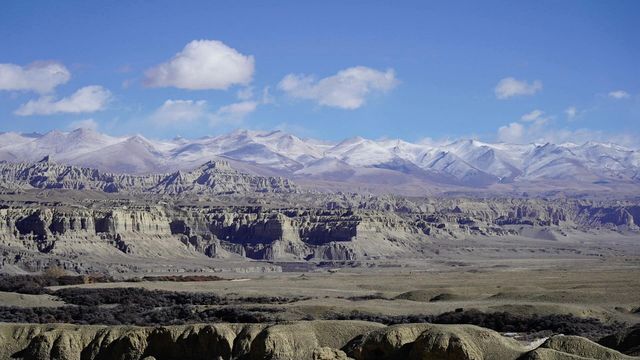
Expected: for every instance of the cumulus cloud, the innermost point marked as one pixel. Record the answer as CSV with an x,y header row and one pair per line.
x,y
86,100
83,124
512,133
543,132
39,77
436,141
180,112
347,89
203,64
510,87
233,113
535,115
619,94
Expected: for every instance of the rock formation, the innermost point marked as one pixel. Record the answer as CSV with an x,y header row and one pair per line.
x,y
326,340
213,177
93,234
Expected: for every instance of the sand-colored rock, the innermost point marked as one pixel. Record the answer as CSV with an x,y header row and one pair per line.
x,y
468,342
299,340
429,341
318,340
580,346
327,353
549,354
462,342
387,342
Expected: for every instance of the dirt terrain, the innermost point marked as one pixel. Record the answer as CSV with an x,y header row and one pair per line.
x,y
87,274
607,291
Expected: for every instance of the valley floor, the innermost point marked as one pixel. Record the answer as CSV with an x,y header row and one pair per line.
x,y
606,290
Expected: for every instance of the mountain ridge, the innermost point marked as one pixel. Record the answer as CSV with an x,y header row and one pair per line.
x,y
356,161
211,178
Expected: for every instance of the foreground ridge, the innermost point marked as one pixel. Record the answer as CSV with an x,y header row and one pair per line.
x,y
327,340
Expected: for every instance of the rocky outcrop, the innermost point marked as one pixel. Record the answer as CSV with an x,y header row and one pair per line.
x,y
320,340
213,177
573,347
333,227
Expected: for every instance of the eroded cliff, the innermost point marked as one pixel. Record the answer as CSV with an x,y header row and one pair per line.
x,y
326,340
94,234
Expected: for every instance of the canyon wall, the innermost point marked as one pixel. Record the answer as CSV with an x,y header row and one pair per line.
x,y
374,229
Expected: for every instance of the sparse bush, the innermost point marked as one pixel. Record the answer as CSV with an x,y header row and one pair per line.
x,y
182,278
136,296
54,272
159,298
500,321
36,284
136,315
376,296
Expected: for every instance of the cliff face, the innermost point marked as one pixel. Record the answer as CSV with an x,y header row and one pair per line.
x,y
250,232
318,340
108,231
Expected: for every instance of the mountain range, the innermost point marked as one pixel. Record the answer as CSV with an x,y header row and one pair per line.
x,y
355,163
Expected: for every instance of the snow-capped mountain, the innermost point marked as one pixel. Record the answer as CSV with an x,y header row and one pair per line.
x,y
359,161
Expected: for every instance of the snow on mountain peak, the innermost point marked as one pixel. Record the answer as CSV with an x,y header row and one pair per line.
x,y
463,162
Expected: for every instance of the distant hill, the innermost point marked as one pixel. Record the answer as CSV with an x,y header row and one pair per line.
x,y
213,177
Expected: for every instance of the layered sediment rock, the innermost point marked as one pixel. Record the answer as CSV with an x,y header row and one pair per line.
x,y
336,229
327,340
213,177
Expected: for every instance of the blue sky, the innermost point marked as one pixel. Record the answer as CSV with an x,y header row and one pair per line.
x,y
497,70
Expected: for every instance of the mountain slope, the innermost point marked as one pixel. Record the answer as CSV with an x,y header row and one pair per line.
x,y
461,164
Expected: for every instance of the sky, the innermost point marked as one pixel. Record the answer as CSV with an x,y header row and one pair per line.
x,y
513,71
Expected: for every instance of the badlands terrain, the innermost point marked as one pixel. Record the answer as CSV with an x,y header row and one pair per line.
x,y
258,246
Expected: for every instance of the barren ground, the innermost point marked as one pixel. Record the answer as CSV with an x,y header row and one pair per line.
x,y
604,289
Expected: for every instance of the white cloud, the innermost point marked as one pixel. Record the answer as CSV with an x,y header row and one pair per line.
x,y
347,89
512,133
536,118
83,124
580,136
543,132
180,112
40,77
203,64
85,100
532,116
233,113
619,94
509,87
571,112
429,141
